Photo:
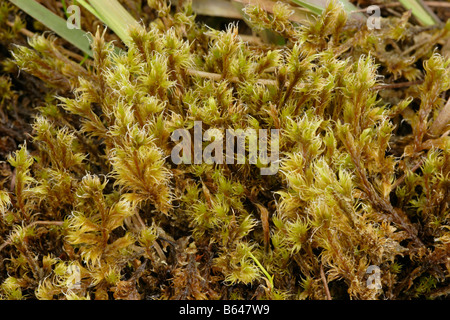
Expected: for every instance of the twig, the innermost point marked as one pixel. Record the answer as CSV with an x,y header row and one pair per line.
x,y
24,31
437,4
54,223
441,121
393,12
264,214
402,178
325,284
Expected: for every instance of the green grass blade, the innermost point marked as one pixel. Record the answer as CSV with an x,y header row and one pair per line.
x,y
113,14
310,5
89,8
425,17
269,277
77,37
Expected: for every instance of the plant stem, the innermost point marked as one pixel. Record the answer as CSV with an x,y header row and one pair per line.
x,y
441,121
325,284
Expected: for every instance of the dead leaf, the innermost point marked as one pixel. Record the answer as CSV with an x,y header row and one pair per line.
x,y
264,214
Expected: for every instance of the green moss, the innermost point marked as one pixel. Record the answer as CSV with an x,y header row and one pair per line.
x,y
97,204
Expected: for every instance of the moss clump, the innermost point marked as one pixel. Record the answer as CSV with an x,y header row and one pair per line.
x,y
96,209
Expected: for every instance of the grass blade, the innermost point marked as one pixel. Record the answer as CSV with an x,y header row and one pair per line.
x,y
77,37
312,6
422,13
113,14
